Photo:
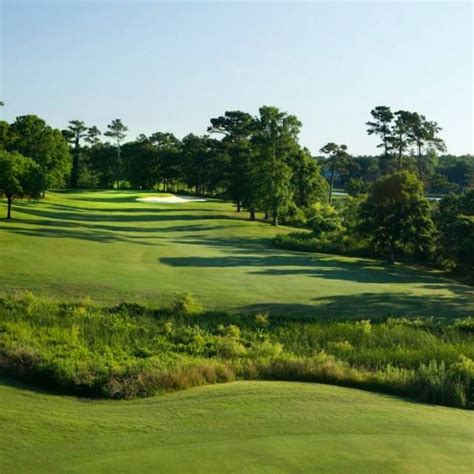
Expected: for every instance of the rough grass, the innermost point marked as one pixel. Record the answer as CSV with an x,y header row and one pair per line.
x,y
130,351
236,427
113,248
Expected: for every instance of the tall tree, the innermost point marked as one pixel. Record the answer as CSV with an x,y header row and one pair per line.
x,y
381,126
33,138
90,172
75,132
117,131
274,143
102,160
308,185
237,128
20,177
424,134
274,186
141,163
92,136
197,165
396,218
168,148
401,137
337,160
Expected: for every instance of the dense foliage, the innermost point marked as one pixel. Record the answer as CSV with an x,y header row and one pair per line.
x,y
20,177
397,216
394,220
34,139
130,351
455,221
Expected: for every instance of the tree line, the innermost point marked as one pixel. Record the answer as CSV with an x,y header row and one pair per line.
x,y
258,163
241,158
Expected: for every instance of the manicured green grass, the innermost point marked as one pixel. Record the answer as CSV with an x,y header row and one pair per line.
x,y
110,247
236,427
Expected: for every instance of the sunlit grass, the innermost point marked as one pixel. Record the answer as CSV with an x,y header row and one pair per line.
x,y
237,427
110,247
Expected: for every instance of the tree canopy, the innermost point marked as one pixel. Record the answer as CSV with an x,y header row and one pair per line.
x,y
30,136
20,177
396,215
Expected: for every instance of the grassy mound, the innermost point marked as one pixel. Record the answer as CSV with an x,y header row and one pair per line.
x,y
113,248
237,427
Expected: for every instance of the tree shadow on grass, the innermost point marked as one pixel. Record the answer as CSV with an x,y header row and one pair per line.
x,y
21,386
76,234
373,306
81,215
131,199
51,224
317,266
84,216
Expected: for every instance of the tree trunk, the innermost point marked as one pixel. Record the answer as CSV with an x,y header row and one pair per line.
x,y
118,167
331,185
252,214
75,165
266,215
385,144
275,219
238,206
400,153
9,208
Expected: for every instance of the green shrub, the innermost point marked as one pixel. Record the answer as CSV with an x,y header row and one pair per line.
x,y
132,351
186,305
332,244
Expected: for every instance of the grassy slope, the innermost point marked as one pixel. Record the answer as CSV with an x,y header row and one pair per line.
x,y
243,426
110,247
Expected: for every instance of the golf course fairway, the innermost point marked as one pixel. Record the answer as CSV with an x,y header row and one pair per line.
x,y
110,247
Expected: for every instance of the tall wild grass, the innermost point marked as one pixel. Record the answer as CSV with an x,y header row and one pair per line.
x,y
132,351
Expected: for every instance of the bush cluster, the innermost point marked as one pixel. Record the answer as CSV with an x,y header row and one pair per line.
x,y
132,351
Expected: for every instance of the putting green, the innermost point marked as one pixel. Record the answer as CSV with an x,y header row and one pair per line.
x,y
111,247
237,427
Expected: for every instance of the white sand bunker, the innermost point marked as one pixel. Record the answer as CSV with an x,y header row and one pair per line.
x,y
171,199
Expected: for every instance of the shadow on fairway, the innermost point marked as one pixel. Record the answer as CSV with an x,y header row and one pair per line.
x,y
35,387
318,266
51,224
366,305
85,216
52,232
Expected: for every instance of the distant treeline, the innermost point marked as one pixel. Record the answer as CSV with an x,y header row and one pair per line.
x,y
238,146
445,173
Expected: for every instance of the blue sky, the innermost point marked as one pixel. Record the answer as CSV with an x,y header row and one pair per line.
x,y
170,66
